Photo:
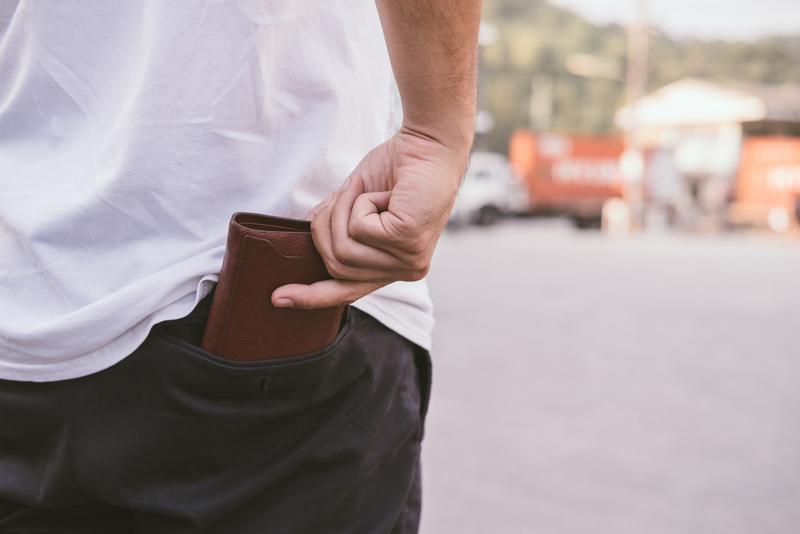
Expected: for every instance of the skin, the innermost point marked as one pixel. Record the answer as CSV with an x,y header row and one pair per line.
x,y
382,225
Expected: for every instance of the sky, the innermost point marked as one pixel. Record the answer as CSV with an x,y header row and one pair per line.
x,y
732,20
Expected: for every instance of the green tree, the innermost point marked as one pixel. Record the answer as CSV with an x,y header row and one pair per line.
x,y
536,38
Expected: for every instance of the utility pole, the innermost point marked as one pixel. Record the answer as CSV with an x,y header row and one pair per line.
x,y
540,110
635,89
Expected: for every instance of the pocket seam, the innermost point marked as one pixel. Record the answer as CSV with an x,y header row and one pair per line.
x,y
277,364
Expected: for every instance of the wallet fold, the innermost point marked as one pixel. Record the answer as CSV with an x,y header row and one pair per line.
x,y
263,253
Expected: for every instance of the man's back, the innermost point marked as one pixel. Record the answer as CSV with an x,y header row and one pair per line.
x,y
131,132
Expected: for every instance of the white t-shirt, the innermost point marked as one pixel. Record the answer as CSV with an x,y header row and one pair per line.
x,y
130,132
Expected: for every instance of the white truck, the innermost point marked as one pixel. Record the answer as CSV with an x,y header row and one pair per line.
x,y
490,190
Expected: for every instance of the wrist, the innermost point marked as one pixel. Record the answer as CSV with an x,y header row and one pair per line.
x,y
455,133
449,150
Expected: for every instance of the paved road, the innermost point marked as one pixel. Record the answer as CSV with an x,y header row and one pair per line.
x,y
638,386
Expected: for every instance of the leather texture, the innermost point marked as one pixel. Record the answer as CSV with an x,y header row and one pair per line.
x,y
262,254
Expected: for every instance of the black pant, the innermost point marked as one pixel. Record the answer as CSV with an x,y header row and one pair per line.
x,y
173,439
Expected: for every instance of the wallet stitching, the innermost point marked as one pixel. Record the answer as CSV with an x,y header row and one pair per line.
x,y
245,220
234,294
273,228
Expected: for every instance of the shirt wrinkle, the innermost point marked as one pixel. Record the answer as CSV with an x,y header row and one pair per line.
x,y
178,226
68,80
38,266
227,89
244,136
128,209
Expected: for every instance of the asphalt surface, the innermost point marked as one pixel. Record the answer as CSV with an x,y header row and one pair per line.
x,y
646,385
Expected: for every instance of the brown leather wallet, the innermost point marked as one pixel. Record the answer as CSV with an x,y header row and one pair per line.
x,y
262,254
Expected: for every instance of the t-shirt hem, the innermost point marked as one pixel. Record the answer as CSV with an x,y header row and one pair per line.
x,y
415,335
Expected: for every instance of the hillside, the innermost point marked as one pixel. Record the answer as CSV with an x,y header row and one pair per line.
x,y
536,38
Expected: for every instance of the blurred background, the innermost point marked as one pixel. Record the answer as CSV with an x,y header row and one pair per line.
x,y
617,295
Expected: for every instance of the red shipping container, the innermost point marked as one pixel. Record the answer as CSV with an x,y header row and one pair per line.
x,y
570,174
769,175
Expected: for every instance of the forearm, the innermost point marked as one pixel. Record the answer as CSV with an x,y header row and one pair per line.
x,y
383,224
433,49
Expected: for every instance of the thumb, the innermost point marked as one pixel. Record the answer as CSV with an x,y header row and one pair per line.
x,y
324,294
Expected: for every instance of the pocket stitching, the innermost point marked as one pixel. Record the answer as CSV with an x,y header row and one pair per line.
x,y
277,364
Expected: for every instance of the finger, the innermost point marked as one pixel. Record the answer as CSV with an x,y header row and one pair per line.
x,y
348,252
325,294
321,233
366,222
321,227
378,223
410,252
371,224
319,207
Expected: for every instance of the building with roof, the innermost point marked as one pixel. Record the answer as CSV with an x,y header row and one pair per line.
x,y
696,133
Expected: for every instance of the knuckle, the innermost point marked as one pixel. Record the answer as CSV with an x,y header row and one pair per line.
x,y
343,254
419,274
333,267
358,229
420,264
416,247
337,249
336,271
413,276
308,304
415,270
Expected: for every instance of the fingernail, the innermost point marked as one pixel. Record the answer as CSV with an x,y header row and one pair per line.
x,y
284,303
345,184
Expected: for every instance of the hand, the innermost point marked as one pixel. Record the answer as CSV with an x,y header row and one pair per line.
x,y
384,222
